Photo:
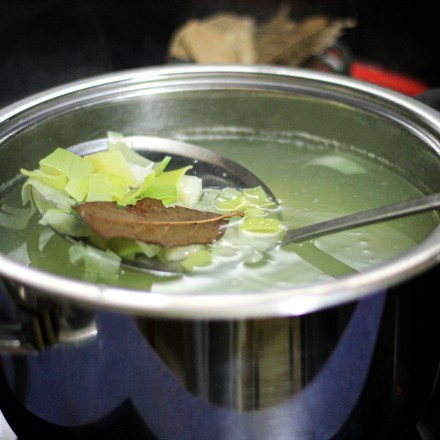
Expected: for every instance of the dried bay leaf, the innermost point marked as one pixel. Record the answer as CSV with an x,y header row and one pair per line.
x,y
151,222
226,38
281,40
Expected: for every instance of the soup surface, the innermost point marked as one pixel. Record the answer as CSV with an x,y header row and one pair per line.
x,y
313,179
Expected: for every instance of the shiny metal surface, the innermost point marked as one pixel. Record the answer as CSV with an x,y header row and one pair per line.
x,y
80,111
363,218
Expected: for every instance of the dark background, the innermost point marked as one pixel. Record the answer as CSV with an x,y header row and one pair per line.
x,y
48,42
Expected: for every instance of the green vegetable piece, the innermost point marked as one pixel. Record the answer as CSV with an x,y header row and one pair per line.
x,y
171,177
112,162
15,218
257,197
167,192
195,259
261,224
159,167
129,154
65,222
138,193
100,188
228,200
165,186
50,196
65,162
77,188
98,265
57,181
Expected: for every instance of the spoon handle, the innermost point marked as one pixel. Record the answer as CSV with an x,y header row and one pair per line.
x,y
408,207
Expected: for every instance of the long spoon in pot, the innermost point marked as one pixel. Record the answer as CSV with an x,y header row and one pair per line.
x,y
218,171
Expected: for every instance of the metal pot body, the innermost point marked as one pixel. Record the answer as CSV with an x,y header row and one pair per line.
x,y
352,358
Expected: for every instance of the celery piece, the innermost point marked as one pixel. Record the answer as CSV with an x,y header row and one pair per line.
x,y
65,162
112,162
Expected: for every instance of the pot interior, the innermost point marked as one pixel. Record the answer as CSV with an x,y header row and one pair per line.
x,y
324,146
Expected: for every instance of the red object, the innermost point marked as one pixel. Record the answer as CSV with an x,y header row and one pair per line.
x,y
387,78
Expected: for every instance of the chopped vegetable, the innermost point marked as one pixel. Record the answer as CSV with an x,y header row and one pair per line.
x,y
15,218
119,190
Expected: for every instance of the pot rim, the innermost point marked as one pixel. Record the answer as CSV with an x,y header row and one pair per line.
x,y
293,301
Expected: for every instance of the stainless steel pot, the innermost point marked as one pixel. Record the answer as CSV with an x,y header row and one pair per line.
x,y
352,357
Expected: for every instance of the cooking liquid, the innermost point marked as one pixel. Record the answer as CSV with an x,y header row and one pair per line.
x,y
312,181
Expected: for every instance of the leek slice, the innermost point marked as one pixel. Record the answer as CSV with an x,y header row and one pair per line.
x,y
199,258
65,222
159,167
100,188
104,187
180,253
264,225
112,162
15,218
65,162
98,265
77,188
228,200
164,186
52,196
128,249
121,174
172,177
257,197
337,163
130,155
189,191
138,193
57,181
167,192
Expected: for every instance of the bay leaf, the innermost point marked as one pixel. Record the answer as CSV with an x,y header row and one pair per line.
x,y
152,222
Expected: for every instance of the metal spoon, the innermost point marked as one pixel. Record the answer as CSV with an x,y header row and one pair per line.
x,y
363,218
218,171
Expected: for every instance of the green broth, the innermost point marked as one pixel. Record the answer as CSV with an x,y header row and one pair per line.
x,y
312,182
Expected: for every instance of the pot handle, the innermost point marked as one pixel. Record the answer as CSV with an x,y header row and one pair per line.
x,y
36,322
